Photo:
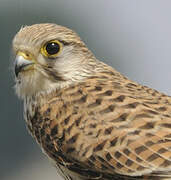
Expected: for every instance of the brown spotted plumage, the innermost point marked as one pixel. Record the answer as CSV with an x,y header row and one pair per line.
x,y
89,119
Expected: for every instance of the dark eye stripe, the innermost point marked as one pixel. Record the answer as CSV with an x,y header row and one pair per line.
x,y
65,43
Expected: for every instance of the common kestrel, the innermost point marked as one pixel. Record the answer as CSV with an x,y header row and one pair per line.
x,y
92,121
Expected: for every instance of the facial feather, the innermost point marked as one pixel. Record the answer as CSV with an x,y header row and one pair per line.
x,y
74,62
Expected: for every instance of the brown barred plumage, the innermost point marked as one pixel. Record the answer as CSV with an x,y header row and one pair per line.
x,y
96,124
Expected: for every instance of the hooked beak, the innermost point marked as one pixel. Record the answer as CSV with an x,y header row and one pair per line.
x,y
23,62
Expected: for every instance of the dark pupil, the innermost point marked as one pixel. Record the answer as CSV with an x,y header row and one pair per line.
x,y
52,48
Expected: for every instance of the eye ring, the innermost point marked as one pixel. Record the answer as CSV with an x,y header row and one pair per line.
x,y
51,49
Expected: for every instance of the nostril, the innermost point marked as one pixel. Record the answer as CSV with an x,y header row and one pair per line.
x,y
27,55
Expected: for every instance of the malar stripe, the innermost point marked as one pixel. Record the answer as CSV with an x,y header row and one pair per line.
x,y
53,74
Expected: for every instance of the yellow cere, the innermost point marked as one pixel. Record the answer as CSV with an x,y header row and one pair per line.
x,y
25,55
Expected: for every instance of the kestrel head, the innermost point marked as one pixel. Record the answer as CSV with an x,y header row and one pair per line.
x,y
47,57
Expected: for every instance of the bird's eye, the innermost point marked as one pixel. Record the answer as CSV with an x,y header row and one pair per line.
x,y
51,49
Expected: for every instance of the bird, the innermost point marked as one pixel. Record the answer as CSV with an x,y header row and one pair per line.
x,y
90,120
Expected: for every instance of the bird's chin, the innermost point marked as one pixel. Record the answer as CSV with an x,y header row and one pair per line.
x,y
23,88
27,83
30,83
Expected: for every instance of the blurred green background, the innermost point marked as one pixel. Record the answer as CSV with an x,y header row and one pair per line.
x,y
132,36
